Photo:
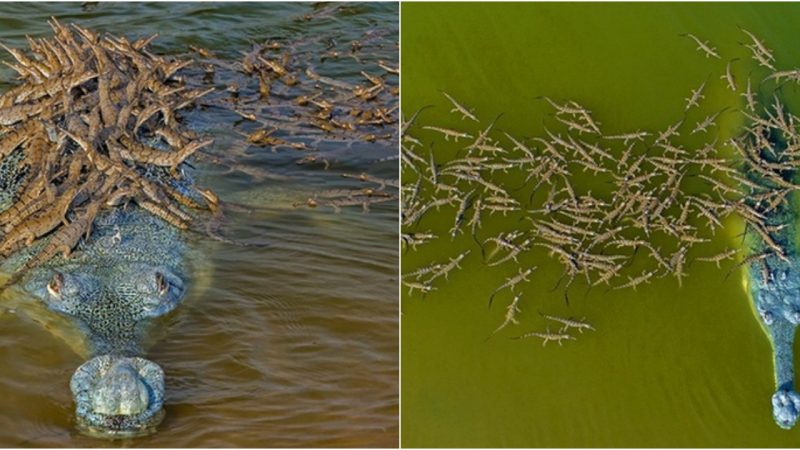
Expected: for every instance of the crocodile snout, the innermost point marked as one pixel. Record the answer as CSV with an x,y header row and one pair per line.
x,y
118,396
785,408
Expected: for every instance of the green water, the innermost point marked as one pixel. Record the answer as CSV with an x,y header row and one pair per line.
x,y
668,366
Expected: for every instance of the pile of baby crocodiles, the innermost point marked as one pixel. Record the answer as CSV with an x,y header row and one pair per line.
x,y
620,209
94,123
292,100
334,107
597,199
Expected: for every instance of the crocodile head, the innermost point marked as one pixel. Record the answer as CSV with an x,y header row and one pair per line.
x,y
113,289
775,290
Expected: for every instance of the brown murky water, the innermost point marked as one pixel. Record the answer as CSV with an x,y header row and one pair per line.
x,y
293,344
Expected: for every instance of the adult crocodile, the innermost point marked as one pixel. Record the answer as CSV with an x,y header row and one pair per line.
x,y
775,290
773,282
94,207
131,270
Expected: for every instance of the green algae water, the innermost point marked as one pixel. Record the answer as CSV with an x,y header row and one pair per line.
x,y
668,366
290,345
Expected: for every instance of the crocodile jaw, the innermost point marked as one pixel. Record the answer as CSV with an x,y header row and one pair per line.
x,y
118,397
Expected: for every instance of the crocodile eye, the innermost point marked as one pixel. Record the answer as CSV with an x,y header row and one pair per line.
x,y
161,284
55,285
